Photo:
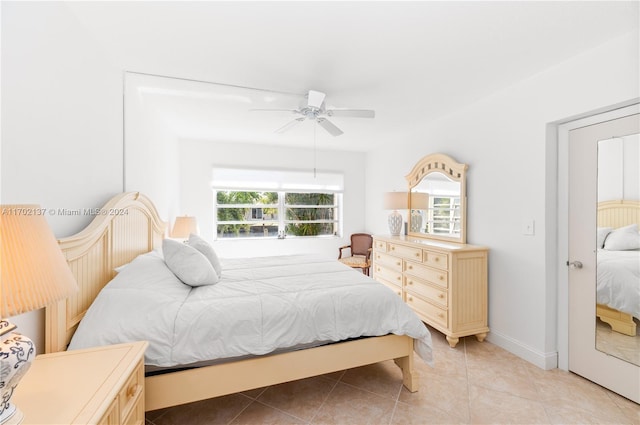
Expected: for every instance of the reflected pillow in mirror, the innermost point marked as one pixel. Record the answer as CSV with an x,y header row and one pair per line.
x,y
207,250
623,239
602,233
188,264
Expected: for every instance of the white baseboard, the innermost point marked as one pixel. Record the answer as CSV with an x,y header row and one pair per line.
x,y
544,361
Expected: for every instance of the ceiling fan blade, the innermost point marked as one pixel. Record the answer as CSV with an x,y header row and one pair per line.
x,y
290,125
353,113
315,99
327,125
293,111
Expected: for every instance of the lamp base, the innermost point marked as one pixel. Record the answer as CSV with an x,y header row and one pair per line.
x,y
16,354
11,415
395,223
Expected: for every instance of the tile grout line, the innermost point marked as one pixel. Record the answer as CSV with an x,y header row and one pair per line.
x,y
335,384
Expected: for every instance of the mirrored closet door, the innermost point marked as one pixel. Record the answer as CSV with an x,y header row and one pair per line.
x,y
604,211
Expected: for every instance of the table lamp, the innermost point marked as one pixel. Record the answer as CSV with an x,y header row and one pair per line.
x,y
419,202
184,226
395,201
33,273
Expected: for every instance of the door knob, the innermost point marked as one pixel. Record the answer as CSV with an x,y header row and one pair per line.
x,y
574,264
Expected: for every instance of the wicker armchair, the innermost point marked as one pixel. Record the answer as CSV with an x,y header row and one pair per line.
x,y
360,247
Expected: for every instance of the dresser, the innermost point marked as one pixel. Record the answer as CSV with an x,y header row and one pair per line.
x,y
444,283
102,386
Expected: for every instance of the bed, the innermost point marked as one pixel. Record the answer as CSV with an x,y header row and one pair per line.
x,y
127,227
618,270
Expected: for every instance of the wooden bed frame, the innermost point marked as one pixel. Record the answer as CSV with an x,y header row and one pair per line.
x,y
616,214
129,225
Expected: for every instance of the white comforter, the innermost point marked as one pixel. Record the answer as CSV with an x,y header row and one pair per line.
x,y
618,284
259,305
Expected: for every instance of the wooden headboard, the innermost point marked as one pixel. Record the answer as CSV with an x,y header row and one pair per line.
x,y
618,213
127,226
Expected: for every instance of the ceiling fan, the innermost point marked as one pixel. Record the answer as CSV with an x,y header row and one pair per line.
x,y
315,110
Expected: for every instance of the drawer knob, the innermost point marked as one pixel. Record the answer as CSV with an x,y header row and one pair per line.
x,y
437,259
441,277
398,263
440,315
398,278
410,267
393,248
417,254
440,295
410,298
131,391
410,282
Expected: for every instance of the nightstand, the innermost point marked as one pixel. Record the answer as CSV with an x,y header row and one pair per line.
x,y
103,385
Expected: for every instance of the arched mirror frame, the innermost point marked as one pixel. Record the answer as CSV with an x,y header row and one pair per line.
x,y
455,171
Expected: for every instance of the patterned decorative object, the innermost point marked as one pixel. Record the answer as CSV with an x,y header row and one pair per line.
x,y
416,221
16,354
395,223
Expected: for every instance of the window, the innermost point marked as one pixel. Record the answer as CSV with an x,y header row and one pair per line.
x,y
300,207
443,216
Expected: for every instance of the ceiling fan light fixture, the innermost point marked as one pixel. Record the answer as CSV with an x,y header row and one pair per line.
x,y
315,110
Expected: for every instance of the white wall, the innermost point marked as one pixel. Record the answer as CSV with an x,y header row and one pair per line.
x,y
618,168
151,152
61,121
512,179
197,159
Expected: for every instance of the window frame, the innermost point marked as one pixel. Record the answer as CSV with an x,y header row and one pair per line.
x,y
282,207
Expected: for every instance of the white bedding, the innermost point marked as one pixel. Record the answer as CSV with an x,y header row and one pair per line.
x,y
618,281
259,305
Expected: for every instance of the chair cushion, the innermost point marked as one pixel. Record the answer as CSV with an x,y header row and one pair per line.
x,y
355,261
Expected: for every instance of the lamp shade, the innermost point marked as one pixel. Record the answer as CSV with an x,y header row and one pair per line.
x,y
395,201
34,272
184,226
419,201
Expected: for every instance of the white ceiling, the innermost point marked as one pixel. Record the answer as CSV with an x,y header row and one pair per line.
x,y
410,61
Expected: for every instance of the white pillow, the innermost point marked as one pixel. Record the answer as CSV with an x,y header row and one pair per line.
x,y
188,264
602,233
623,238
207,250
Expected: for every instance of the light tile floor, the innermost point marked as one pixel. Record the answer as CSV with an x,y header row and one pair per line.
x,y
474,383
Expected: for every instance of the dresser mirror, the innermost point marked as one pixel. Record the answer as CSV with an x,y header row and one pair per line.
x,y
437,200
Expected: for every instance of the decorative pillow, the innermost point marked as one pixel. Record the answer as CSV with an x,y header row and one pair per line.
x,y
602,233
623,239
188,264
207,250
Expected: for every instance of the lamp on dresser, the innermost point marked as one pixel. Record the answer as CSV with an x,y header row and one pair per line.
x,y
419,203
395,201
184,226
33,274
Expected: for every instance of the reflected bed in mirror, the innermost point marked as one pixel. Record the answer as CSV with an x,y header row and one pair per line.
x,y
618,248
437,203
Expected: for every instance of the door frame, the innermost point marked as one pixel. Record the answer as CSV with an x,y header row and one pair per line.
x,y
562,220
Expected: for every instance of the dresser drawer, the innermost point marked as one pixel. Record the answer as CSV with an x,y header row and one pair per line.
x,y
129,396
391,275
435,276
430,311
380,246
408,252
395,288
433,293
435,259
388,261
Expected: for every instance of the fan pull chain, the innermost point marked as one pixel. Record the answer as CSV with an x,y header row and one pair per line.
x,y
315,153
